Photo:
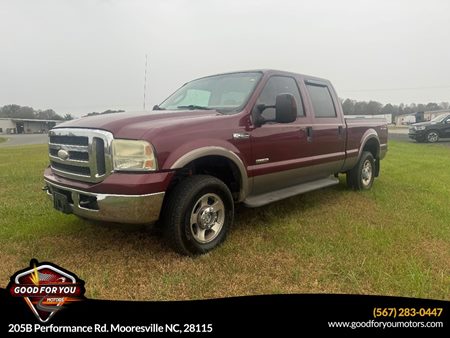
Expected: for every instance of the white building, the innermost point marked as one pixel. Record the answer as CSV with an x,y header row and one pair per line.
x,y
387,117
413,117
26,126
429,115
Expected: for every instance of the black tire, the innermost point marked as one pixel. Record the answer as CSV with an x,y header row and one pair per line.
x,y
362,175
195,195
432,136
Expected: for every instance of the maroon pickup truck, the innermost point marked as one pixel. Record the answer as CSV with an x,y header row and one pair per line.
x,y
251,137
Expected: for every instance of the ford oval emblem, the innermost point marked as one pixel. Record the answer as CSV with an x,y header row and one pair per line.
x,y
63,154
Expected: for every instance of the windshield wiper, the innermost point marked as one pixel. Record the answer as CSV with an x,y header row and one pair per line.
x,y
156,107
193,106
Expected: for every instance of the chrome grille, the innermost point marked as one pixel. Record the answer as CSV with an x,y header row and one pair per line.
x,y
87,153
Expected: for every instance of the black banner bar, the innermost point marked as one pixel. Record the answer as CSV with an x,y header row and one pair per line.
x,y
273,315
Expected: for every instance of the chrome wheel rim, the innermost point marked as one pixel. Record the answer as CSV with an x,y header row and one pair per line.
x,y
432,137
207,218
366,173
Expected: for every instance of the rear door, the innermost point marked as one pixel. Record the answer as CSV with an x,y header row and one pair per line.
x,y
277,148
327,133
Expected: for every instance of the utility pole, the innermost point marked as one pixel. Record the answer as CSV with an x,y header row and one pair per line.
x,y
145,79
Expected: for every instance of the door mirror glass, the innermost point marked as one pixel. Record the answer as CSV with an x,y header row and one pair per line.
x,y
285,108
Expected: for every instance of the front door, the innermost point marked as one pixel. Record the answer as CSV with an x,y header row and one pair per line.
x,y
278,147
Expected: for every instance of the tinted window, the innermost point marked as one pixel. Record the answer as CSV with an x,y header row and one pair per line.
x,y
279,85
321,101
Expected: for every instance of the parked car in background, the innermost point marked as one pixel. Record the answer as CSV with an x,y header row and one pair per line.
x,y
431,131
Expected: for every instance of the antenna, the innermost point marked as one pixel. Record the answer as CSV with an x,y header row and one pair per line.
x,y
145,79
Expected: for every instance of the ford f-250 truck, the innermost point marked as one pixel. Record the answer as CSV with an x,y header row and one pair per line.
x,y
251,137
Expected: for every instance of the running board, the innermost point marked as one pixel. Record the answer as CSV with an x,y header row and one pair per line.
x,y
263,199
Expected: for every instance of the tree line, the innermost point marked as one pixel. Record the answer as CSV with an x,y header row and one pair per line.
x,y
25,112
354,107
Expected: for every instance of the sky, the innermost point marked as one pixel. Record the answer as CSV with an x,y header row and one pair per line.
x,y
82,56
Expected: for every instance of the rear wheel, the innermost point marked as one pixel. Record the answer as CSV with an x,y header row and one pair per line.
x,y
362,175
198,214
432,136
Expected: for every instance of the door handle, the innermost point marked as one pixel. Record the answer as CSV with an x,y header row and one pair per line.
x,y
309,134
340,130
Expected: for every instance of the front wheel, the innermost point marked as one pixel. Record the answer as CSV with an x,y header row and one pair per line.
x,y
362,175
198,214
432,136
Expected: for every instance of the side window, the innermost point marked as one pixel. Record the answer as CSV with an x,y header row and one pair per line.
x,y
279,85
321,100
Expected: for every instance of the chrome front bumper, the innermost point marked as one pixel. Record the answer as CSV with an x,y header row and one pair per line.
x,y
136,209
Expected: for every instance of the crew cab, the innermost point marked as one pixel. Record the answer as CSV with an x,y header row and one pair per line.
x,y
251,137
431,131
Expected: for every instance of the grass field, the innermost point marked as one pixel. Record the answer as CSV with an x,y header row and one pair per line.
x,y
3,139
392,240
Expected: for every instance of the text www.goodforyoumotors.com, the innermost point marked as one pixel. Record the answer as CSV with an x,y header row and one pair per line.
x,y
385,325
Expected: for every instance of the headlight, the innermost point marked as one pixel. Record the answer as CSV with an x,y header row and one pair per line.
x,y
420,128
133,155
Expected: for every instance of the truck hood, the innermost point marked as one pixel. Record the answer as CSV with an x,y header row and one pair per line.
x,y
135,125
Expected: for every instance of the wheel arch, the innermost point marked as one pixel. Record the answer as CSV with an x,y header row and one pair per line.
x,y
206,158
372,145
371,142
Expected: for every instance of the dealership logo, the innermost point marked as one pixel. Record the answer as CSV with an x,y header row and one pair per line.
x,y
46,287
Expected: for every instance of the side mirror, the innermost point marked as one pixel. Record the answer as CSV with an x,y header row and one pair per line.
x,y
285,108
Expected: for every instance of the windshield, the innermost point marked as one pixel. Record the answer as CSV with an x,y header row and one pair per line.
x,y
225,93
439,118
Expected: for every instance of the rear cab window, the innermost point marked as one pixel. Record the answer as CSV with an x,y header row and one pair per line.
x,y
321,100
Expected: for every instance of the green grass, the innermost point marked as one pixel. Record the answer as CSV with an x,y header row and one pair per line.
x,y
3,139
392,240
